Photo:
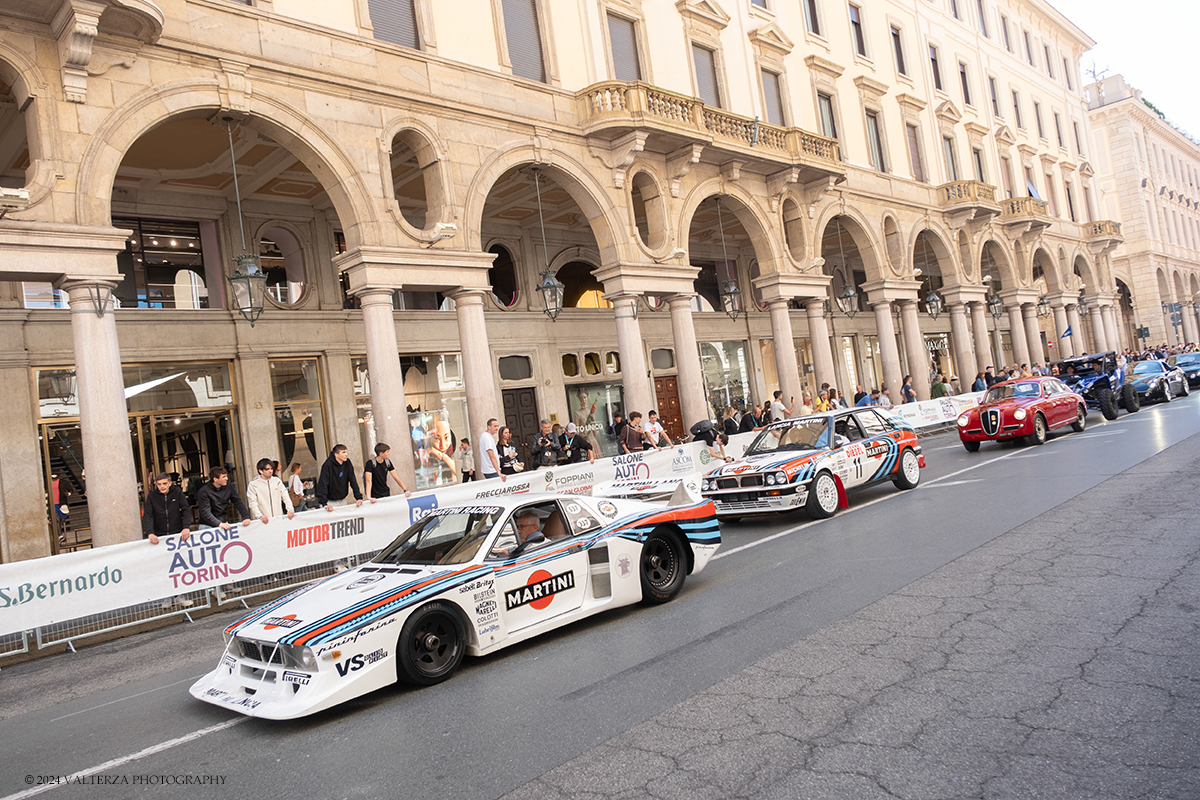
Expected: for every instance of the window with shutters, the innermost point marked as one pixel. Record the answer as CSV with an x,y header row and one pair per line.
x,y
1037,117
966,83
1058,131
983,27
977,162
856,30
1051,195
622,42
523,34
1067,75
707,89
951,160
825,107
1049,61
1016,97
1006,175
875,141
772,97
933,66
898,50
1070,200
1004,33
914,152
1079,142
395,21
1028,48
995,98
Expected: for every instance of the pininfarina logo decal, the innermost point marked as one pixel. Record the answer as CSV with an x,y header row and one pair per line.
x,y
539,591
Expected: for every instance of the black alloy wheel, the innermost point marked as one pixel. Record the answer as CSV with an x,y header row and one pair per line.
x,y
663,566
431,645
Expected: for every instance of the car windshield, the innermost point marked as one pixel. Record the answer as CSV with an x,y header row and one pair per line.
x,y
1008,391
446,536
808,433
1187,360
1147,368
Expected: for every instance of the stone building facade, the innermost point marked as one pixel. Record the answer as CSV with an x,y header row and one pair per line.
x,y
1148,171
407,173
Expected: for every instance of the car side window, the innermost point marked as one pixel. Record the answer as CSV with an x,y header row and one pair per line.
x,y
872,423
847,426
578,519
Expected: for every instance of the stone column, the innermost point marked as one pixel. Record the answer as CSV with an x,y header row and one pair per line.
x,y
914,347
1078,345
1062,344
687,361
889,354
1189,322
786,365
23,522
818,336
389,406
1110,328
964,354
1099,339
1033,334
103,417
638,394
1016,331
983,342
476,360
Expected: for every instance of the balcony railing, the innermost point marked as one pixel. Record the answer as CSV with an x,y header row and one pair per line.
x,y
634,104
1023,207
1103,229
966,193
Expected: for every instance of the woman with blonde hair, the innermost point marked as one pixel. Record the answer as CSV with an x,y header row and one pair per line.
x,y
729,425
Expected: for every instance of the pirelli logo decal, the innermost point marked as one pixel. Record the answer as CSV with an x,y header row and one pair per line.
x,y
540,590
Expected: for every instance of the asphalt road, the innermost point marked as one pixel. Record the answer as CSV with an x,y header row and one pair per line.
x,y
121,710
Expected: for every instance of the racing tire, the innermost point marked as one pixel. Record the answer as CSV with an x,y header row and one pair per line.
x,y
663,567
1185,390
431,646
822,501
1130,399
1081,421
1107,403
909,473
1168,395
1039,430
972,447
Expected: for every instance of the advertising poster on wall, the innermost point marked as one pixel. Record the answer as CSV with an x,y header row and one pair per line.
x,y
592,408
434,440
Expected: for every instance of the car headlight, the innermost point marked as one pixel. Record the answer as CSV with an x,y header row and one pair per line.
x,y
781,478
963,420
1019,414
770,479
705,485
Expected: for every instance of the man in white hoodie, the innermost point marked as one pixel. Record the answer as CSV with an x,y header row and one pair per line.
x,y
266,495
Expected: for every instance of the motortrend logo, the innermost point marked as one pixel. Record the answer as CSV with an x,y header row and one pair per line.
x,y
539,591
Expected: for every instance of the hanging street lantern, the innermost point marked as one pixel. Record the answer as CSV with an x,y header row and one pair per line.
x,y
1043,306
996,306
551,289
731,299
933,304
249,287
248,281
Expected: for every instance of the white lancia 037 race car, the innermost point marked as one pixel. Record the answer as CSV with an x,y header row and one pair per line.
x,y
467,579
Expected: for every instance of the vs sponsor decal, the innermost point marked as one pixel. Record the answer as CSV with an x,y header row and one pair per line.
x,y
290,621
420,507
539,591
355,663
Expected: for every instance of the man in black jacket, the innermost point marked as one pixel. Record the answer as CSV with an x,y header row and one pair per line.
x,y
337,480
544,447
167,511
214,498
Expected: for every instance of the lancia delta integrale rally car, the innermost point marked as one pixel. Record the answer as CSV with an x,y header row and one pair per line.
x,y
813,461
470,579
1026,407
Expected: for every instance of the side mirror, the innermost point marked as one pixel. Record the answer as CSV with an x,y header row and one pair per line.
x,y
840,441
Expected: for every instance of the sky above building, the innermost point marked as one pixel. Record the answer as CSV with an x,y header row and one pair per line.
x,y
1149,42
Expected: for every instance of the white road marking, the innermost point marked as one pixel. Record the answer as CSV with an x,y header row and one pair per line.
x,y
130,697
851,510
954,483
117,762
1098,434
